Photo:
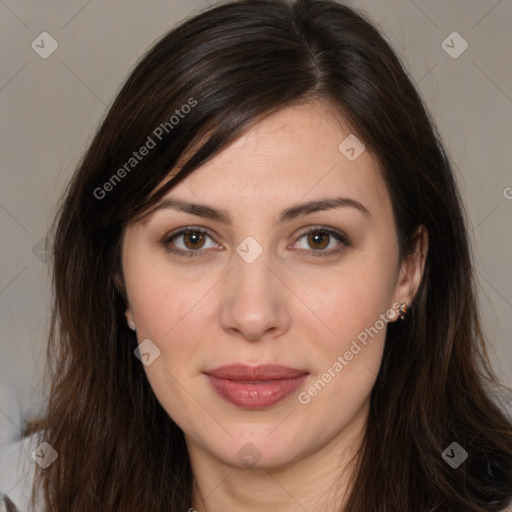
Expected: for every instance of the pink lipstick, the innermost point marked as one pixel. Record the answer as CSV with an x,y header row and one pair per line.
x,y
255,387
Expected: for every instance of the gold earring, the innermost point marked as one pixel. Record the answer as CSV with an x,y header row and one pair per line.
x,y
403,311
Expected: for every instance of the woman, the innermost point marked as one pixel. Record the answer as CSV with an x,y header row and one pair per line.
x,y
264,292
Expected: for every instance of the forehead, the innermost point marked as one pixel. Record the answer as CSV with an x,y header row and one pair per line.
x,y
291,156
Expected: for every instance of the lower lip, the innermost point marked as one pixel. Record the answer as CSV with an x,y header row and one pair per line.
x,y
255,396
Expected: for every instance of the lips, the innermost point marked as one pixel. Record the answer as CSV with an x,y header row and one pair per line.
x,y
241,372
255,387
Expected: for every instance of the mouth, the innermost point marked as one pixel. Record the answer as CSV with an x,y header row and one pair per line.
x,y
255,387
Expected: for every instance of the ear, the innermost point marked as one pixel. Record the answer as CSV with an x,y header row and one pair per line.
x,y
411,270
129,318
120,287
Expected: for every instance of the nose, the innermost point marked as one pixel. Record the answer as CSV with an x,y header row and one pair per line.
x,y
255,299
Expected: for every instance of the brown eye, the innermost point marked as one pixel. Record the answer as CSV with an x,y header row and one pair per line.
x,y
193,240
317,239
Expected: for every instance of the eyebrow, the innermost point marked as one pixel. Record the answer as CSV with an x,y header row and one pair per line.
x,y
223,216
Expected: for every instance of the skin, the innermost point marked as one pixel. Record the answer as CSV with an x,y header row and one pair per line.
x,y
287,307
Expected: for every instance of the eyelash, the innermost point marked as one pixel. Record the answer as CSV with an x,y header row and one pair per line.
x,y
345,242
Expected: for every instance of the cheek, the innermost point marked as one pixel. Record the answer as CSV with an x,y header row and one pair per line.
x,y
164,308
348,355
158,298
174,313
350,303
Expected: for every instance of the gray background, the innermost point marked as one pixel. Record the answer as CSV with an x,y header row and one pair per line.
x,y
51,107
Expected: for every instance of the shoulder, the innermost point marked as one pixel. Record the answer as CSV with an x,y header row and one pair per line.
x,y
17,471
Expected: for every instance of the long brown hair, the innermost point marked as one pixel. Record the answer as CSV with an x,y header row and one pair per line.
x,y
232,65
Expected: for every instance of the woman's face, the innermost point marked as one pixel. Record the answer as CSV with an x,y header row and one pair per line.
x,y
257,290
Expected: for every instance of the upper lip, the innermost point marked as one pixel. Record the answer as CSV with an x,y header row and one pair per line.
x,y
243,372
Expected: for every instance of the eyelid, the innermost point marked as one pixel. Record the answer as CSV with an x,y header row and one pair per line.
x,y
185,229
181,231
339,235
335,233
